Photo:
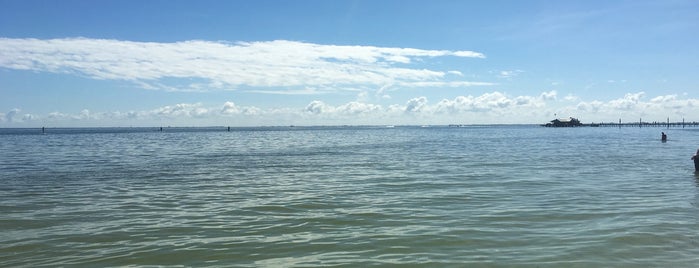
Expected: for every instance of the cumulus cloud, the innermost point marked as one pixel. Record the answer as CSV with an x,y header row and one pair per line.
x,y
488,107
628,102
634,105
672,102
489,102
317,107
28,117
592,106
550,95
229,107
664,99
181,110
205,65
84,114
10,116
14,116
354,107
416,104
57,116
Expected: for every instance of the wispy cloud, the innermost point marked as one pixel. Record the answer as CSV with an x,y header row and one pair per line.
x,y
571,97
509,73
205,65
305,91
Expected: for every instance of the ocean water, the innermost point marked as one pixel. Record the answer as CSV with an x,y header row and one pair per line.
x,y
475,196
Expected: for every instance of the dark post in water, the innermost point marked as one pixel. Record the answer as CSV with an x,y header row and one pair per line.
x,y
695,157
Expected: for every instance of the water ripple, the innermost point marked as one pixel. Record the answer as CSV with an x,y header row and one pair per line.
x,y
498,196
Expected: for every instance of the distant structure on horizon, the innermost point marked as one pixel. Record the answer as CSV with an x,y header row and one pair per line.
x,y
564,122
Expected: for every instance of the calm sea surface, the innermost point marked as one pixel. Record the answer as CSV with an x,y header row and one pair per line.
x,y
349,196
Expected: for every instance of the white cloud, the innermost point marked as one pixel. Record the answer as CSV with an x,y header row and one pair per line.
x,y
230,108
28,117
57,116
305,91
489,107
204,65
10,116
14,116
416,104
593,106
317,107
83,115
571,97
180,110
382,91
630,101
470,54
446,84
354,108
633,105
550,95
664,99
672,102
496,102
509,73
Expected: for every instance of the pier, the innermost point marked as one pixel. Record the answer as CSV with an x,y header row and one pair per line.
x,y
646,124
574,122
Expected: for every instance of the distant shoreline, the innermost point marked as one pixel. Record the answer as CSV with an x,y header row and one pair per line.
x,y
147,129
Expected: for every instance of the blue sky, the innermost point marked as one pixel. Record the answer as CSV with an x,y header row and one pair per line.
x,y
251,63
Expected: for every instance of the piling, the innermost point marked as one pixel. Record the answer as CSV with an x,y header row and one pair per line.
x,y
668,125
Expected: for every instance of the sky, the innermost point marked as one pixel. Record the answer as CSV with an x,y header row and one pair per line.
x,y
276,63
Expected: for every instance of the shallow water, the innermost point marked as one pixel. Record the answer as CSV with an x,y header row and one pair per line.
x,y
354,196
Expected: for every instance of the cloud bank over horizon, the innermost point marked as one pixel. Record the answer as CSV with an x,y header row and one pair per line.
x,y
489,108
